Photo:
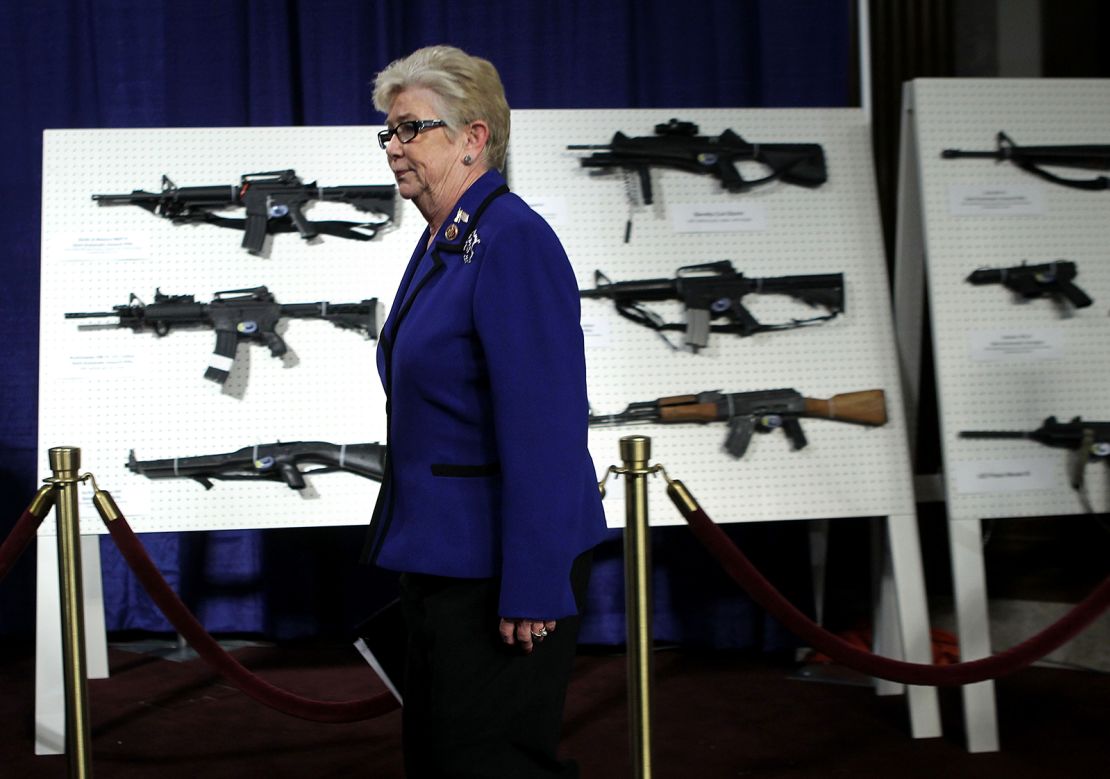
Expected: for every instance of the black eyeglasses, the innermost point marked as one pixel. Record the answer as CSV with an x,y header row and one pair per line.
x,y
406,131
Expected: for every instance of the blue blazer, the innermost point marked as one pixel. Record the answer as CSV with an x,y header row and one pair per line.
x,y
482,360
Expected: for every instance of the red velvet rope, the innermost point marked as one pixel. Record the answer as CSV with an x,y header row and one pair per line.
x,y
17,541
207,647
737,565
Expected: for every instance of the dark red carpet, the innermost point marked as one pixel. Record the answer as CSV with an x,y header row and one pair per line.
x,y
718,714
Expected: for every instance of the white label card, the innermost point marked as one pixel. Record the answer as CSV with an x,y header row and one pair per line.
x,y
995,200
74,247
983,476
1026,345
597,332
718,217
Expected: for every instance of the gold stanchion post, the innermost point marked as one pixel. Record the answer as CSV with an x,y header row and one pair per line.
x,y
635,452
65,461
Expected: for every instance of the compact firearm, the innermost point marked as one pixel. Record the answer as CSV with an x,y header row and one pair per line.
x,y
1033,281
273,200
1031,158
1089,440
272,462
714,290
237,315
677,145
754,412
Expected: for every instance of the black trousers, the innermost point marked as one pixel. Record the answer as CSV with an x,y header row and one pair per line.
x,y
474,706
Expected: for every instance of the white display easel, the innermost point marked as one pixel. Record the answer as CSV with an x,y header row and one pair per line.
x,y
1000,364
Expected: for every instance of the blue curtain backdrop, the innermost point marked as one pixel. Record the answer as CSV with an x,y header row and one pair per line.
x,y
193,63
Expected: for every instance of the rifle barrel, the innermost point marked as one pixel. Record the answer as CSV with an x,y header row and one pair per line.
x,y
993,434
90,314
953,153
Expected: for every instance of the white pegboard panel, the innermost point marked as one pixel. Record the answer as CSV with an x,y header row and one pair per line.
x,y
111,390
1067,376
846,470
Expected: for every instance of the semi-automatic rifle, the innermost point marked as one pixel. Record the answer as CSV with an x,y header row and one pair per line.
x,y
1034,281
274,202
754,412
714,290
1032,158
1089,440
237,315
269,462
677,145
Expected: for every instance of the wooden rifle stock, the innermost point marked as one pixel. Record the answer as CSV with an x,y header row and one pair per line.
x,y
866,407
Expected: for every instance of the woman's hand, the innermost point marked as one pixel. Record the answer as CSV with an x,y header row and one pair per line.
x,y
525,632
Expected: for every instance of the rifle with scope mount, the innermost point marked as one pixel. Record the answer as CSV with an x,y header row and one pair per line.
x,y
754,412
237,315
714,290
268,462
677,145
1032,159
274,202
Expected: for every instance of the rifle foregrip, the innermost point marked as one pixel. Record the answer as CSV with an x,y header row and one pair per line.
x,y
675,400
689,412
866,407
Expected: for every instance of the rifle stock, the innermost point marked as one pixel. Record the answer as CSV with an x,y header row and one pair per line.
x,y
866,407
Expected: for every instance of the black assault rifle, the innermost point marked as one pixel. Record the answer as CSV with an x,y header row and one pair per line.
x,y
237,315
754,412
272,462
714,290
1032,158
273,201
1089,440
1033,281
677,145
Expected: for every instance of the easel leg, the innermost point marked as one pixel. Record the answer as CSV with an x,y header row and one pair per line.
x,y
913,619
969,581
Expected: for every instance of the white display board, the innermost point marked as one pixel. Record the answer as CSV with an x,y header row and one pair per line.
x,y
774,230
111,390
1001,363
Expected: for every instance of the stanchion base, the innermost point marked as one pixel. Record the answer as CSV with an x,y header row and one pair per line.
x,y
832,673
177,650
